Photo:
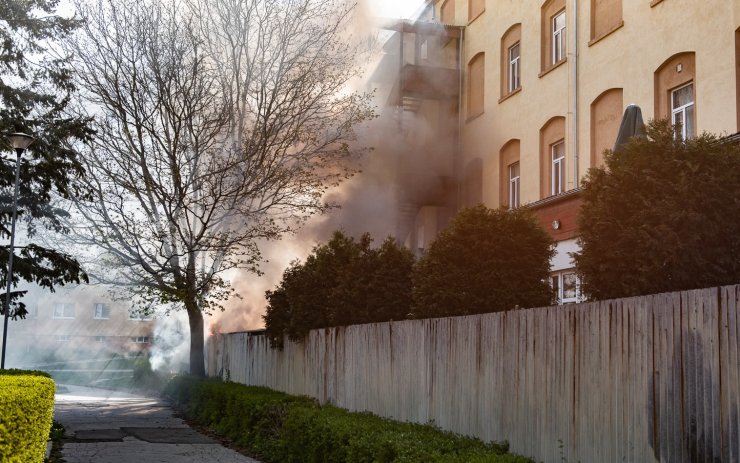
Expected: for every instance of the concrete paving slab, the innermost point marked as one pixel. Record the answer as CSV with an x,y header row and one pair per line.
x,y
112,427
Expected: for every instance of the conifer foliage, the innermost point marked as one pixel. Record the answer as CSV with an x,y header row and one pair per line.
x,y
35,89
343,282
662,215
486,260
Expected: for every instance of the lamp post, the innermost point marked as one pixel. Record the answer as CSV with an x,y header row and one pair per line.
x,y
19,142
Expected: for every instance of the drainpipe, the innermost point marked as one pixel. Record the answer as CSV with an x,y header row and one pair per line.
x,y
460,121
576,180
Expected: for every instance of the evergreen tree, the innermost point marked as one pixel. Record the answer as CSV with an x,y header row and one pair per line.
x,y
35,89
662,215
487,260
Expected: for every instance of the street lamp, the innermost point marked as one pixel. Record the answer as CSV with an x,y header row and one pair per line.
x,y
19,141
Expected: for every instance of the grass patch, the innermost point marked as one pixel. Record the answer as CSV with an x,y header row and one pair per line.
x,y
278,427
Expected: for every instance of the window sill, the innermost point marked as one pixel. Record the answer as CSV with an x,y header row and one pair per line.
x,y
474,116
506,97
470,21
654,2
552,68
606,34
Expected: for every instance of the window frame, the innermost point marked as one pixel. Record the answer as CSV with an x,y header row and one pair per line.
x,y
514,65
682,110
557,282
140,339
64,315
105,311
557,165
62,337
514,185
558,38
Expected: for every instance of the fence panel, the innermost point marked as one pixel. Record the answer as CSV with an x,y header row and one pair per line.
x,y
648,379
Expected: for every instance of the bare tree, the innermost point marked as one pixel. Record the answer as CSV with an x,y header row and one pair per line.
x,y
218,124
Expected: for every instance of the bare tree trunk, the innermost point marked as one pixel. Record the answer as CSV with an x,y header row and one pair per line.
x,y
197,354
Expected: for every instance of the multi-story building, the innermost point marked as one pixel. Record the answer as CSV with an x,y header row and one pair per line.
x,y
77,322
539,95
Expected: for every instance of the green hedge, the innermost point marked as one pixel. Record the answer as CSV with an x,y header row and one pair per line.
x,y
278,427
26,410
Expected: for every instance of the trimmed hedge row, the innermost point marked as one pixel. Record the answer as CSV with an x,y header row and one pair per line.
x,y
281,428
26,410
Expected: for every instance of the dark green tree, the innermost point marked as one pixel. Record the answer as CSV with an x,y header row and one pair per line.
x,y
35,89
487,260
343,282
662,215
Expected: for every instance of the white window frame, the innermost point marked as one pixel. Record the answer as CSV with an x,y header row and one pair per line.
x,y
514,70
101,311
63,337
675,111
100,339
514,185
559,277
557,169
558,38
63,315
140,339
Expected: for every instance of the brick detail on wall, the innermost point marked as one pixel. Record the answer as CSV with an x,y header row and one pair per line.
x,y
564,209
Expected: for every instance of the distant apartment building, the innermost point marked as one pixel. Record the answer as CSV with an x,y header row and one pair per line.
x,y
512,101
81,320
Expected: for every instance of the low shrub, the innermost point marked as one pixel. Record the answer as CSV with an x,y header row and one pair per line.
x,y
26,410
278,427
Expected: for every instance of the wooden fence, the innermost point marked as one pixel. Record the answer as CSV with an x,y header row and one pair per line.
x,y
644,379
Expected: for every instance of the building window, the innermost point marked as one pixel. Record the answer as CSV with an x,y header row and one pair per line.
x,y
514,185
100,339
33,311
102,311
682,111
509,175
476,69
567,287
557,168
140,339
447,12
514,56
511,61
558,37
63,337
675,92
552,174
64,311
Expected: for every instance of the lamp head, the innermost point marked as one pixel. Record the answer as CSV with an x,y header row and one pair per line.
x,y
20,140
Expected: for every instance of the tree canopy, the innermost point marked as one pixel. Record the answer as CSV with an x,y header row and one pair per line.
x,y
342,282
486,260
221,123
36,87
661,215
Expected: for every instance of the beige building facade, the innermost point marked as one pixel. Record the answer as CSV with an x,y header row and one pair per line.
x,y
543,86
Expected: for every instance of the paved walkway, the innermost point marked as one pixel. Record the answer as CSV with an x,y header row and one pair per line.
x,y
114,427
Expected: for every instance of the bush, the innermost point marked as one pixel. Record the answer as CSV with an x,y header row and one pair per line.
x,y
281,428
487,260
26,410
661,216
343,282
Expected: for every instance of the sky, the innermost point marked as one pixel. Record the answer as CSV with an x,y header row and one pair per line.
x,y
394,8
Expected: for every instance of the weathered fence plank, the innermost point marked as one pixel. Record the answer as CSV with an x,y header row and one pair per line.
x,y
648,379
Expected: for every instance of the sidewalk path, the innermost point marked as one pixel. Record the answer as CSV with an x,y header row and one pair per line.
x,y
114,427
